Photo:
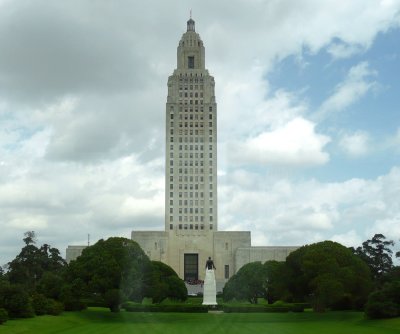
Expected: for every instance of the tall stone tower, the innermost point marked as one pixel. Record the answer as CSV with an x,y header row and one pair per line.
x,y
191,141
191,231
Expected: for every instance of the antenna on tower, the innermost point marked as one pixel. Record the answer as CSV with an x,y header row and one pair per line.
x,y
190,13
88,239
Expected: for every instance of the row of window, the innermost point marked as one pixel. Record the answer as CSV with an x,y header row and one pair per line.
x,y
191,194
190,102
190,132
186,202
191,218
192,210
191,125
191,204
189,186
188,147
192,139
199,172
189,117
191,163
191,171
190,226
186,110
191,94
191,155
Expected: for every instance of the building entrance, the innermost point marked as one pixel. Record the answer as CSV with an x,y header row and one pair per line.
x,y
191,267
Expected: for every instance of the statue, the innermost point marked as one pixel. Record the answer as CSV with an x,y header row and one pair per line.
x,y
210,288
210,264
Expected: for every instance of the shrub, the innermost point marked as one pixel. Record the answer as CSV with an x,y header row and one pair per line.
x,y
16,301
130,307
54,307
3,316
39,303
384,303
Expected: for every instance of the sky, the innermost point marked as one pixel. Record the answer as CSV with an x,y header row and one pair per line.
x,y
308,96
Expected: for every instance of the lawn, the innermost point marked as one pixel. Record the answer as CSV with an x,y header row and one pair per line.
x,y
99,321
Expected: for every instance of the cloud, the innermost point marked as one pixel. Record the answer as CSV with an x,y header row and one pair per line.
x,y
356,144
82,101
297,212
295,143
350,238
341,50
356,85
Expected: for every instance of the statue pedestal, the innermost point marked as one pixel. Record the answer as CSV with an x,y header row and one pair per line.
x,y
210,289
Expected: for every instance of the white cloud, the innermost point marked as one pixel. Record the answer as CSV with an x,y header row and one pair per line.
x,y
295,143
350,238
356,144
389,227
357,84
342,50
298,212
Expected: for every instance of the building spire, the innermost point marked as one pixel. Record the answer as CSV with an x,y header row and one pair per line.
x,y
190,23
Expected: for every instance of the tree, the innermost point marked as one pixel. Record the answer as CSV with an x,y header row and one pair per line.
x,y
277,283
329,275
112,264
249,283
377,254
165,283
32,262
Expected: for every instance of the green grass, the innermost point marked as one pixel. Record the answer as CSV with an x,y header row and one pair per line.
x,y
99,321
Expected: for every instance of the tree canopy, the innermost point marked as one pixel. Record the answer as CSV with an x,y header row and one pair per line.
x,y
112,264
249,283
376,252
329,275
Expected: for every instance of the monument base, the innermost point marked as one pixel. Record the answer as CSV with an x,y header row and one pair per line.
x,y
210,288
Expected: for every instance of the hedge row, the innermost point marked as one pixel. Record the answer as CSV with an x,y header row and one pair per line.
x,y
204,309
166,308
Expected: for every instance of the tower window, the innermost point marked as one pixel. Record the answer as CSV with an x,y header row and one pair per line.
x,y
191,62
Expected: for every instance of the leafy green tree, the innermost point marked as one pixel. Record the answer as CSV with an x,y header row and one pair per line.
x,y
329,275
51,285
249,283
377,253
112,264
32,262
165,283
277,282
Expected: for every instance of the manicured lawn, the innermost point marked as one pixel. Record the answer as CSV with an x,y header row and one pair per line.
x,y
99,321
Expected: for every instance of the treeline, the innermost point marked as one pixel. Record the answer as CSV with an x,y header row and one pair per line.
x,y
113,271
326,275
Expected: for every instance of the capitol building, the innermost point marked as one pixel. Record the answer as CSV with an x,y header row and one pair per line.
x,y
191,233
